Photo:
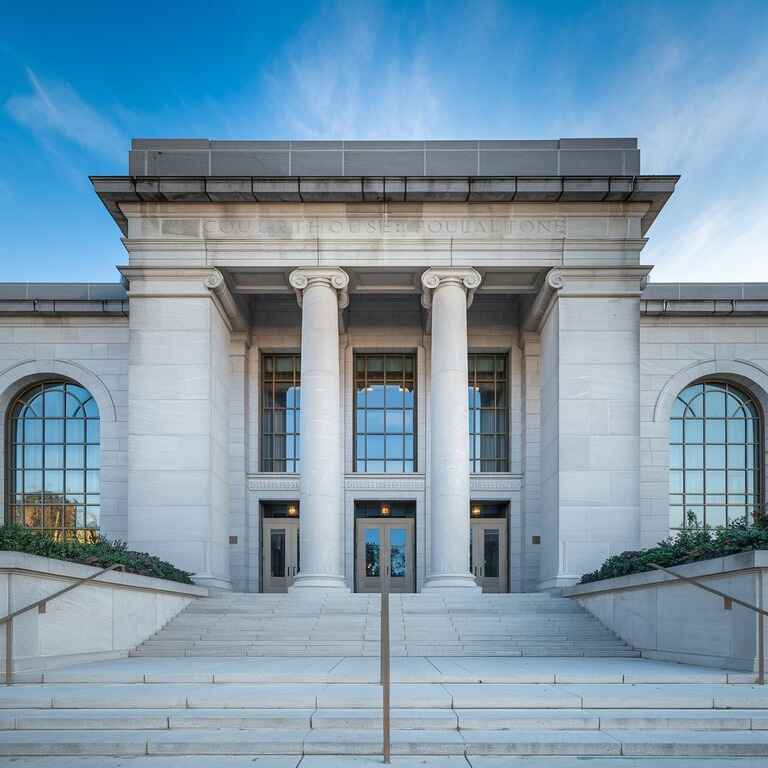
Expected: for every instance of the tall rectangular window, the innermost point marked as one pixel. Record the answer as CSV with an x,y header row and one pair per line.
x,y
385,407
488,413
280,412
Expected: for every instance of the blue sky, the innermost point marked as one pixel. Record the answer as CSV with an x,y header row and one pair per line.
x,y
78,80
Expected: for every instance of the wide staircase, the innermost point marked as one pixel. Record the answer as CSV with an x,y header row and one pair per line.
x,y
420,625
485,681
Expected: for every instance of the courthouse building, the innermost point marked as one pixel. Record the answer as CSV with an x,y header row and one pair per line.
x,y
409,364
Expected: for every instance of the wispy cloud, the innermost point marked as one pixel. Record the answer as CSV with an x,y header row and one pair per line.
x,y
356,83
56,115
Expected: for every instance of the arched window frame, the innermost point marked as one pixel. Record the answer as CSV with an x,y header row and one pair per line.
x,y
707,476
63,511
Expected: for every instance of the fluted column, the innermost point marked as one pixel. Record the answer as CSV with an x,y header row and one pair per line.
x,y
448,293
321,293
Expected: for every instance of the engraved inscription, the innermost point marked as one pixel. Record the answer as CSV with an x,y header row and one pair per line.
x,y
391,227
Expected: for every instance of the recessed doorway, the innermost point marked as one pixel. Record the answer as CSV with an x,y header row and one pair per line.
x,y
488,545
385,551
280,554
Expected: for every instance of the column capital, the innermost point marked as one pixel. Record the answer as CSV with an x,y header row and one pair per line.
x,y
334,277
467,278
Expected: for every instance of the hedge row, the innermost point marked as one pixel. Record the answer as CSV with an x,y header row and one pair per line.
x,y
692,544
101,554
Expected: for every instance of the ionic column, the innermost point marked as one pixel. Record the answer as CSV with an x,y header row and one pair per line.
x,y
448,293
321,293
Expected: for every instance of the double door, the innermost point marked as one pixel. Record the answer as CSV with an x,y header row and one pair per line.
x,y
385,555
280,550
488,553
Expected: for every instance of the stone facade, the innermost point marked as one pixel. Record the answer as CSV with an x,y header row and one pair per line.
x,y
544,269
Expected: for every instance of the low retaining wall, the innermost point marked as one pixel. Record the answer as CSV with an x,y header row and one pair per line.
x,y
668,619
102,619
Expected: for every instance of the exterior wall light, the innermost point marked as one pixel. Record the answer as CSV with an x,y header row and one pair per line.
x,y
384,509
475,511
292,511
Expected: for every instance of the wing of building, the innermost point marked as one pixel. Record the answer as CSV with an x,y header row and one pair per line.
x,y
412,364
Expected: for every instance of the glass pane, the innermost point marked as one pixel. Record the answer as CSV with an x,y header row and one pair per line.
x,y
54,430
491,552
375,398
54,402
372,555
75,456
75,430
376,421
54,456
715,430
694,431
737,431
374,446
277,552
33,430
715,457
397,554
394,447
694,457
394,421
715,401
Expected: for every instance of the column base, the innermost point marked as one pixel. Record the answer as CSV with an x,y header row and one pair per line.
x,y
464,582
319,582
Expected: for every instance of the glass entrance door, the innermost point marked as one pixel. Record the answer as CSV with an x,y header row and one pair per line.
x,y
488,553
280,553
385,555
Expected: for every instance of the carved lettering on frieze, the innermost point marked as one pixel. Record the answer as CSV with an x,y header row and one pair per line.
x,y
514,227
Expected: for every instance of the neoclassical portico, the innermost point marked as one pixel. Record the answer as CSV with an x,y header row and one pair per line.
x,y
457,387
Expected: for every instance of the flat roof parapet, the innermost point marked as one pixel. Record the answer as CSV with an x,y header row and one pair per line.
x,y
509,157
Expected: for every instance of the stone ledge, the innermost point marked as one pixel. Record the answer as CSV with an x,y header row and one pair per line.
x,y
35,565
742,561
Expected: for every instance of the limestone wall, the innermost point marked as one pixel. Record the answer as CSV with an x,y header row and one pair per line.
x,y
102,619
674,352
92,351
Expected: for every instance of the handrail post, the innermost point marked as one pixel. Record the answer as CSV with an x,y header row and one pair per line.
x,y
384,672
9,652
761,649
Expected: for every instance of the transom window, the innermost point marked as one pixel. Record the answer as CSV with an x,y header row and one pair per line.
x,y
54,459
280,412
713,456
385,413
488,413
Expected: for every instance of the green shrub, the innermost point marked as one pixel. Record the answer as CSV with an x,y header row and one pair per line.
x,y
689,545
101,554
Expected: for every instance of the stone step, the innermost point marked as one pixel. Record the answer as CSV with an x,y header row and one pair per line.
x,y
573,696
402,718
350,761
228,741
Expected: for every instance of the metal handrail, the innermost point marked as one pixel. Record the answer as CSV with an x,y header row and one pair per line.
x,y
41,606
728,601
384,673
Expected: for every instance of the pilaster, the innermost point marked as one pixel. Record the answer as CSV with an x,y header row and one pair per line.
x,y
590,378
179,383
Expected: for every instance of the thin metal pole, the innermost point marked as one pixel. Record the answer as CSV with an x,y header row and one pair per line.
x,y
384,642
9,652
761,649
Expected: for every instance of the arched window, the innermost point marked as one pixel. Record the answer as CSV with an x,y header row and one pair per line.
x,y
54,459
714,452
